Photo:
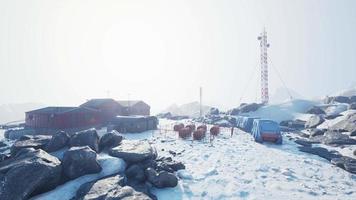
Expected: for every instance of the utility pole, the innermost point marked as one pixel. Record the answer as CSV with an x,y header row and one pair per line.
x,y
264,66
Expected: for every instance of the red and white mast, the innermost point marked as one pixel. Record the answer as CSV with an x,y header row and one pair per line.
x,y
264,66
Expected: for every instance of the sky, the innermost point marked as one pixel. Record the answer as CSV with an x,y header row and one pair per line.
x,y
63,52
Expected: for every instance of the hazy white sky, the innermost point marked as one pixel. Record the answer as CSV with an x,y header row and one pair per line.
x,y
61,52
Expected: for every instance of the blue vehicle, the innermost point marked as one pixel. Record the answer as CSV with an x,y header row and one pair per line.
x,y
266,130
247,123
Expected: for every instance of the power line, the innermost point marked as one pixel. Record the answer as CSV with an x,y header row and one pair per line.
x,y
280,77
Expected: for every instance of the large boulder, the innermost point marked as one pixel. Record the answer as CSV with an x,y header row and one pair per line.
x,y
341,99
167,164
293,124
86,138
108,188
29,174
79,161
30,141
162,179
347,163
213,111
58,141
135,172
314,121
316,111
134,151
109,140
333,138
352,106
346,125
315,132
353,99
320,151
249,107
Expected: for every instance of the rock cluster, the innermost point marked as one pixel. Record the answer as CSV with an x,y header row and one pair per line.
x,y
29,170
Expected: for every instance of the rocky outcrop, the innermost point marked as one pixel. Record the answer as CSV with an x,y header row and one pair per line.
x,y
29,174
79,161
110,140
315,132
347,163
293,124
57,142
109,188
322,152
134,151
314,121
352,106
86,138
135,172
30,141
162,179
316,111
346,125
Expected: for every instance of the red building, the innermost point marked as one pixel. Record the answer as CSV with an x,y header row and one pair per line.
x,y
63,118
90,114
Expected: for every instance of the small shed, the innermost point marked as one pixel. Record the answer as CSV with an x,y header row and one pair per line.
x,y
133,124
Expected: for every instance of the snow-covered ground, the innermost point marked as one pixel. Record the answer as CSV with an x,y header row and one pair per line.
x,y
239,168
289,110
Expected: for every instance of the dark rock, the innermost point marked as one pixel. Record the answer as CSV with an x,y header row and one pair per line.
x,y
78,161
58,141
2,144
333,116
305,143
316,110
29,174
108,188
353,99
161,180
355,153
352,106
315,132
322,152
136,173
148,163
293,124
28,141
24,151
142,187
341,99
234,111
213,111
250,107
110,139
167,164
133,151
346,125
86,138
347,163
314,121
333,138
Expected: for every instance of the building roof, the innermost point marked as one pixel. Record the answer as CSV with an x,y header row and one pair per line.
x,y
96,103
129,103
59,110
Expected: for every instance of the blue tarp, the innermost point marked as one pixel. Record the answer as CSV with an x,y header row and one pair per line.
x,y
247,123
261,126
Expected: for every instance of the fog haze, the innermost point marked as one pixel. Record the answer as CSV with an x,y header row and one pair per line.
x,y
64,52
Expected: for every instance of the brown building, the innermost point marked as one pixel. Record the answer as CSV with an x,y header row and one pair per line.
x,y
134,108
